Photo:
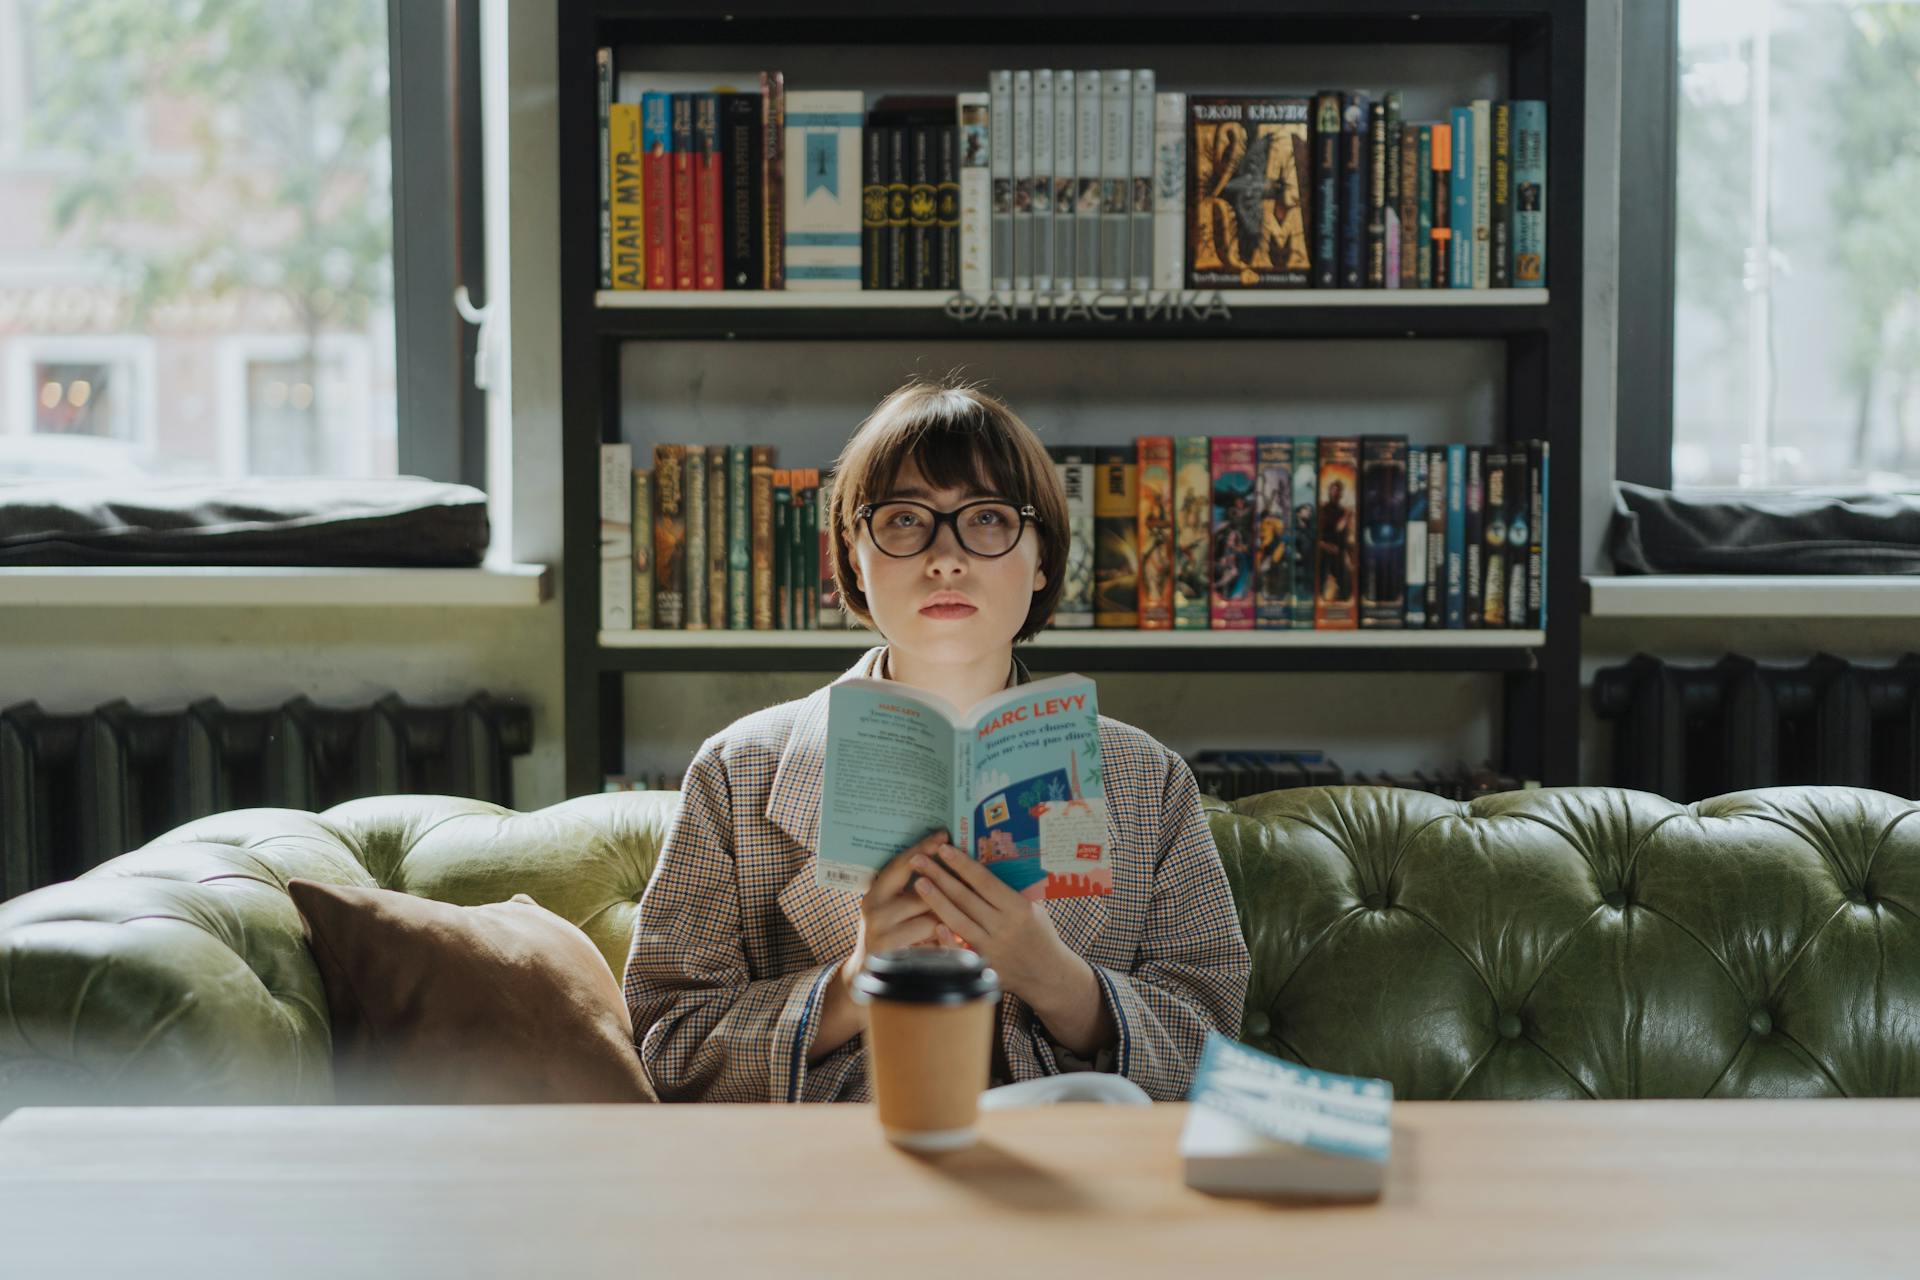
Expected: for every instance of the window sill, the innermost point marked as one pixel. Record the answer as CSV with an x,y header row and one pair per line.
x,y
1753,596
226,586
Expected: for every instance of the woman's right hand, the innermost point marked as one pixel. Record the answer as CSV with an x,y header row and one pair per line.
x,y
890,916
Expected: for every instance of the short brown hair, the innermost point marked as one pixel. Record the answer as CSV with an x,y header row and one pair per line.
x,y
958,435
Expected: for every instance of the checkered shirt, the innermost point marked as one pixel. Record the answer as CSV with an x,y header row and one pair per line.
x,y
734,943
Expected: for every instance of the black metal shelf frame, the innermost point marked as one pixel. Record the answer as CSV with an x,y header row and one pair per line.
x,y
1545,43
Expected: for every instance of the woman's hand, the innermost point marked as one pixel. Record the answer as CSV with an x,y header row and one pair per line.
x,y
890,916
1015,935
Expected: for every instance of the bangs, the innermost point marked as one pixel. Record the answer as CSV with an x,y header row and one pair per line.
x,y
957,444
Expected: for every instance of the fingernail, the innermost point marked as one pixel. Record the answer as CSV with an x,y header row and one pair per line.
x,y
922,861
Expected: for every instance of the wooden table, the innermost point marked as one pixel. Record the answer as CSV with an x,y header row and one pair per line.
x,y
1804,1189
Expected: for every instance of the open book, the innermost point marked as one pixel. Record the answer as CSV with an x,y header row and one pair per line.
x,y
1015,780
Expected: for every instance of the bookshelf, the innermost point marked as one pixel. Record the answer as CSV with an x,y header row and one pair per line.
x,y
1538,49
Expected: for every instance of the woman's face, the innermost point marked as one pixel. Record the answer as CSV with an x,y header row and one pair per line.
x,y
900,590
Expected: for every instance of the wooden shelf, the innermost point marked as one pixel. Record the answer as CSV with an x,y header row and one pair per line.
x,y
227,586
1479,650
1753,596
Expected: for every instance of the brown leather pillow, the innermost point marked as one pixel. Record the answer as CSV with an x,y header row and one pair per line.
x,y
435,1003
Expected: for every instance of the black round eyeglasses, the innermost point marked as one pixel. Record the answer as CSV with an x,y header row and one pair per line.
x,y
988,528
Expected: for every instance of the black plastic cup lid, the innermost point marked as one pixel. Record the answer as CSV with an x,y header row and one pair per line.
x,y
926,975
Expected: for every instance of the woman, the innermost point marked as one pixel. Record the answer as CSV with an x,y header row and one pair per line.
x,y
740,974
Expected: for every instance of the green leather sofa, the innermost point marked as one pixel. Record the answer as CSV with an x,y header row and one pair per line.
x,y
1579,942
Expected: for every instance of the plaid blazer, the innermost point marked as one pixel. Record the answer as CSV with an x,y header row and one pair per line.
x,y
734,942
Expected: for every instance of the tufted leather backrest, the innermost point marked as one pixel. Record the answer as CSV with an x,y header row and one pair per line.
x,y
1585,942
1578,942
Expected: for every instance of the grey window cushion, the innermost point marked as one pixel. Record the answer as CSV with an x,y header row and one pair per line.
x,y
1707,531
403,522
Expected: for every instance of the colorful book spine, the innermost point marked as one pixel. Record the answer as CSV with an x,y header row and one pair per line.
x,y
1442,204
1391,212
1383,532
1438,469
1423,208
603,102
1169,190
656,185
695,491
1529,194
1306,529
1460,197
1456,536
773,177
1353,190
626,209
1337,591
739,538
1409,206
760,543
831,616
1493,605
616,537
1326,188
807,550
1022,181
1140,183
1417,470
685,255
1537,491
1474,535
1075,467
1500,239
1481,111
707,195
643,548
1519,535
1377,195
1193,533
874,267
1066,182
1116,174
716,575
1116,527
743,257
976,195
783,549
1000,156
1043,279
825,221
1154,458
669,536
1088,113
1231,571
1273,565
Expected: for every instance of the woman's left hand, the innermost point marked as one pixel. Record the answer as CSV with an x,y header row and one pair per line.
x,y
1011,932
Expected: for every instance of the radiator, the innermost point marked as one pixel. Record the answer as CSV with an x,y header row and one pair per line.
x,y
76,790
1691,732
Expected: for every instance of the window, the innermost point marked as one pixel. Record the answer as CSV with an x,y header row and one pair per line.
x,y
1796,280
215,183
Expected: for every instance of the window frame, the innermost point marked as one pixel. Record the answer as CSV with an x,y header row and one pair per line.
x,y
1649,151
132,351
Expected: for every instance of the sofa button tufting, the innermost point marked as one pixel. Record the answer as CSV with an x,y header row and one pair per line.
x,y
1258,1024
1617,899
1761,1021
1509,1026
1377,901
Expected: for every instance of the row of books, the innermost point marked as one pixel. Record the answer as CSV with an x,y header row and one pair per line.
x,y
1233,775
1057,182
1303,532
1169,533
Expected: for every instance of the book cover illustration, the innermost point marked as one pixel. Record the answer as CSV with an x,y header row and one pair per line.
x,y
1116,526
1250,203
1075,468
1383,516
1193,532
1306,534
1273,575
1337,556
1233,532
1015,779
669,536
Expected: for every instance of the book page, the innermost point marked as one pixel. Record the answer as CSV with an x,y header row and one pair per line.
x,y
887,778
1037,816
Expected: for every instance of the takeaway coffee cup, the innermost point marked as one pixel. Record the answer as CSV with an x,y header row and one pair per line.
x,y
929,1042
